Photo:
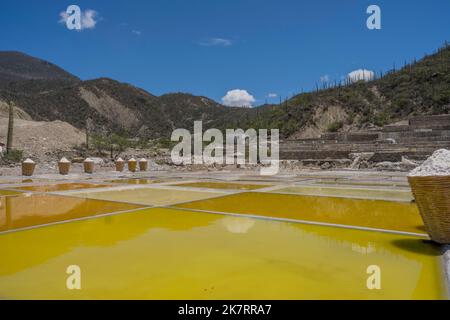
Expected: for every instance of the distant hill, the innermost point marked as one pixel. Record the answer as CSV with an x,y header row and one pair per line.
x,y
115,107
16,66
418,88
45,92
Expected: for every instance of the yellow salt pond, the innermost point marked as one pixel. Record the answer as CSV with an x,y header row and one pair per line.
x,y
360,193
34,210
62,187
18,181
149,196
137,181
9,193
174,254
223,186
394,216
364,183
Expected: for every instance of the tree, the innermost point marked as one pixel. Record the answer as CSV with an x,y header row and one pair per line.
x,y
112,142
89,129
117,143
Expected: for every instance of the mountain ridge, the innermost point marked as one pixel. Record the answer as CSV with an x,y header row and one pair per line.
x,y
17,66
419,88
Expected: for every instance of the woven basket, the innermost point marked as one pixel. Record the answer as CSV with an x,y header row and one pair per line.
x,y
120,166
88,167
433,199
28,169
64,168
143,165
132,165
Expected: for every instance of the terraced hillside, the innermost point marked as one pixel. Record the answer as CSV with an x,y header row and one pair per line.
x,y
415,140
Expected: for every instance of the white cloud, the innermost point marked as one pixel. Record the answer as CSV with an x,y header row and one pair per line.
x,y
219,42
238,98
361,75
325,78
272,95
136,32
89,18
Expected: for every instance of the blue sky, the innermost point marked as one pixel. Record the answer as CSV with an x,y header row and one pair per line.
x,y
209,47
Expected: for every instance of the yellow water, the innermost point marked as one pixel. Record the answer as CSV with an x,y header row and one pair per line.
x,y
9,193
394,195
62,187
172,254
32,210
365,183
17,181
149,196
223,186
137,181
377,214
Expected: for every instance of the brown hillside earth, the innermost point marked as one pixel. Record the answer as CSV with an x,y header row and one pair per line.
x,y
42,140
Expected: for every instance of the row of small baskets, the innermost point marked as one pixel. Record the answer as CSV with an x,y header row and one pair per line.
x,y
29,166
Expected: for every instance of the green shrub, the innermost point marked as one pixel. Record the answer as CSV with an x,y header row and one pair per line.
x,y
14,156
335,126
381,119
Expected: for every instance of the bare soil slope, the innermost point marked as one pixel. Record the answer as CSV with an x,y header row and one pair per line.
x,y
42,140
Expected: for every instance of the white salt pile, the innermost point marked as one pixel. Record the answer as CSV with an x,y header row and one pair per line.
x,y
437,165
29,161
64,160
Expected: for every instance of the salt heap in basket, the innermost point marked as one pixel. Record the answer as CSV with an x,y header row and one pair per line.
x,y
436,165
430,184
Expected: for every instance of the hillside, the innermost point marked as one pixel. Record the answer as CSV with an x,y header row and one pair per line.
x,y
420,88
44,92
115,106
16,66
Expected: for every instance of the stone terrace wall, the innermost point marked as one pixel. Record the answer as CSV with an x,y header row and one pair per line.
x,y
417,141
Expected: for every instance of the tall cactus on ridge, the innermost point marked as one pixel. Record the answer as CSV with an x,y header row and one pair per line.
x,y
9,141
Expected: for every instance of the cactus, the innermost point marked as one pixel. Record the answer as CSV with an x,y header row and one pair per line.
x,y
9,141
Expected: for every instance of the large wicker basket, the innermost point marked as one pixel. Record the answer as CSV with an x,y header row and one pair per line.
x,y
132,165
143,165
433,199
28,169
120,165
88,166
64,168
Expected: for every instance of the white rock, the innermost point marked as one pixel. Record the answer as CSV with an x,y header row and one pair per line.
x,y
98,161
